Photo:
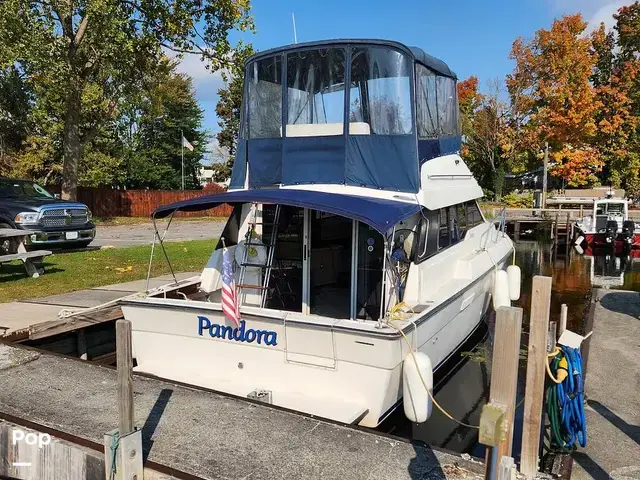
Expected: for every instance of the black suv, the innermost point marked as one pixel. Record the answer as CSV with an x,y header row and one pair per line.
x,y
56,223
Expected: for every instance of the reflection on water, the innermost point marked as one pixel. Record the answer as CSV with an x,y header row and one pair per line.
x,y
465,389
573,276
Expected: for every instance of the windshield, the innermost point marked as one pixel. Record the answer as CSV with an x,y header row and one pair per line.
x,y
21,188
312,98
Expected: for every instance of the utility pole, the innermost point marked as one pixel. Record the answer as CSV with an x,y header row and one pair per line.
x,y
544,175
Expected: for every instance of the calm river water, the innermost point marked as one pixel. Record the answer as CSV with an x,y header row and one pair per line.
x,y
466,389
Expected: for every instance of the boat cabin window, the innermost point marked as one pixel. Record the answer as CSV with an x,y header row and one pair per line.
x,y
610,209
315,91
427,110
265,98
381,90
445,227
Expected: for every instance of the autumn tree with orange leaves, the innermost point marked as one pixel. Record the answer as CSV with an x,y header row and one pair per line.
x,y
551,91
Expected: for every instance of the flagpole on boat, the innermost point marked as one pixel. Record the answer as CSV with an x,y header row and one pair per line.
x,y
182,155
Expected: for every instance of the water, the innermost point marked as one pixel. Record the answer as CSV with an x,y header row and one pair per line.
x,y
466,388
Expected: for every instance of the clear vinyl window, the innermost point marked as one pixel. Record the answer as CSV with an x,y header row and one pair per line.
x,y
265,97
381,90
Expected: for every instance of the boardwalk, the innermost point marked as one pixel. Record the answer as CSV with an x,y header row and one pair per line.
x,y
611,387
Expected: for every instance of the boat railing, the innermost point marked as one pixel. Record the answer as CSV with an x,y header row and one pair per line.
x,y
496,229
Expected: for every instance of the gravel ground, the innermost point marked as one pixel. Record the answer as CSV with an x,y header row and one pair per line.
x,y
142,234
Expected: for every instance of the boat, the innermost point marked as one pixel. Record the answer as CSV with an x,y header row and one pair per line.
x,y
360,257
608,225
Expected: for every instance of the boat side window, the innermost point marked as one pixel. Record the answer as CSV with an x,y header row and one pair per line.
x,y
381,90
427,113
474,216
427,235
265,97
447,106
444,231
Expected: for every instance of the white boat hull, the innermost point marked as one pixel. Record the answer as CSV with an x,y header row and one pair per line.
x,y
348,371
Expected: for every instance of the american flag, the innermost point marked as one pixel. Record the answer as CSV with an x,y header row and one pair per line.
x,y
230,306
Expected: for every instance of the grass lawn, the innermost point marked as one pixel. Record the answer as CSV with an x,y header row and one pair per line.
x,y
115,221
66,272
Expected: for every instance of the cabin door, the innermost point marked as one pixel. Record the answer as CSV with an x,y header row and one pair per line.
x,y
328,266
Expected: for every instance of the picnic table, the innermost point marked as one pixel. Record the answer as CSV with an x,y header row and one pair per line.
x,y
29,259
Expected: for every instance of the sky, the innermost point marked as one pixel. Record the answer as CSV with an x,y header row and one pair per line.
x,y
473,37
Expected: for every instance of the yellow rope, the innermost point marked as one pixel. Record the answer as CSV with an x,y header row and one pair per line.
x,y
394,311
551,355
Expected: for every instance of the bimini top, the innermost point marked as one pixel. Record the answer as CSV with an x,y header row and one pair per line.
x,y
378,213
418,54
365,113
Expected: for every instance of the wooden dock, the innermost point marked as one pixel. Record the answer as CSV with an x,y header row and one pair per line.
x,y
194,433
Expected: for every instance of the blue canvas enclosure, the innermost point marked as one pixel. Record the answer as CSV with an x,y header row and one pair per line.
x,y
351,112
379,213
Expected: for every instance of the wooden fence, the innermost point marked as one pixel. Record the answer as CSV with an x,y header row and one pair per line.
x,y
108,202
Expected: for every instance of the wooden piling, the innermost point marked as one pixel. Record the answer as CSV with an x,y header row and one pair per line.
x,y
568,234
504,369
124,361
563,319
555,237
81,344
516,231
123,447
551,337
534,390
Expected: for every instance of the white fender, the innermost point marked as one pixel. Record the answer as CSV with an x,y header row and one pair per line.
x,y
515,280
579,240
501,290
416,400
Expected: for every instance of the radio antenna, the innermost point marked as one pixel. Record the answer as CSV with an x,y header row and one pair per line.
x,y
295,35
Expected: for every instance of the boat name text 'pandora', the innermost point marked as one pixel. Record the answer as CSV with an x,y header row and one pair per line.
x,y
239,334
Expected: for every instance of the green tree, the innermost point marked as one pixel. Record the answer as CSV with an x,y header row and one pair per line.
x,y
228,110
155,154
77,52
15,103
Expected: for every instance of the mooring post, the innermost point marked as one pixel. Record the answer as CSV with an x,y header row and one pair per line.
x,y
555,237
568,234
123,447
551,337
124,359
496,420
534,389
563,319
81,344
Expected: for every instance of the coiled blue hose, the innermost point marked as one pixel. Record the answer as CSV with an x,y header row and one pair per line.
x,y
565,403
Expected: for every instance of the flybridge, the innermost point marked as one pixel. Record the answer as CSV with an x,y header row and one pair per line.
x,y
302,125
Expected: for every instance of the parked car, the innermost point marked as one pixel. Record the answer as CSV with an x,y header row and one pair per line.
x,y
56,223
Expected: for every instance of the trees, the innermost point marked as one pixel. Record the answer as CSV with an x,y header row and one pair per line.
x,y
551,91
15,103
483,121
87,49
168,111
228,110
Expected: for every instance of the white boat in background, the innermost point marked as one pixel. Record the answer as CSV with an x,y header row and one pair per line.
x,y
358,247
608,225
